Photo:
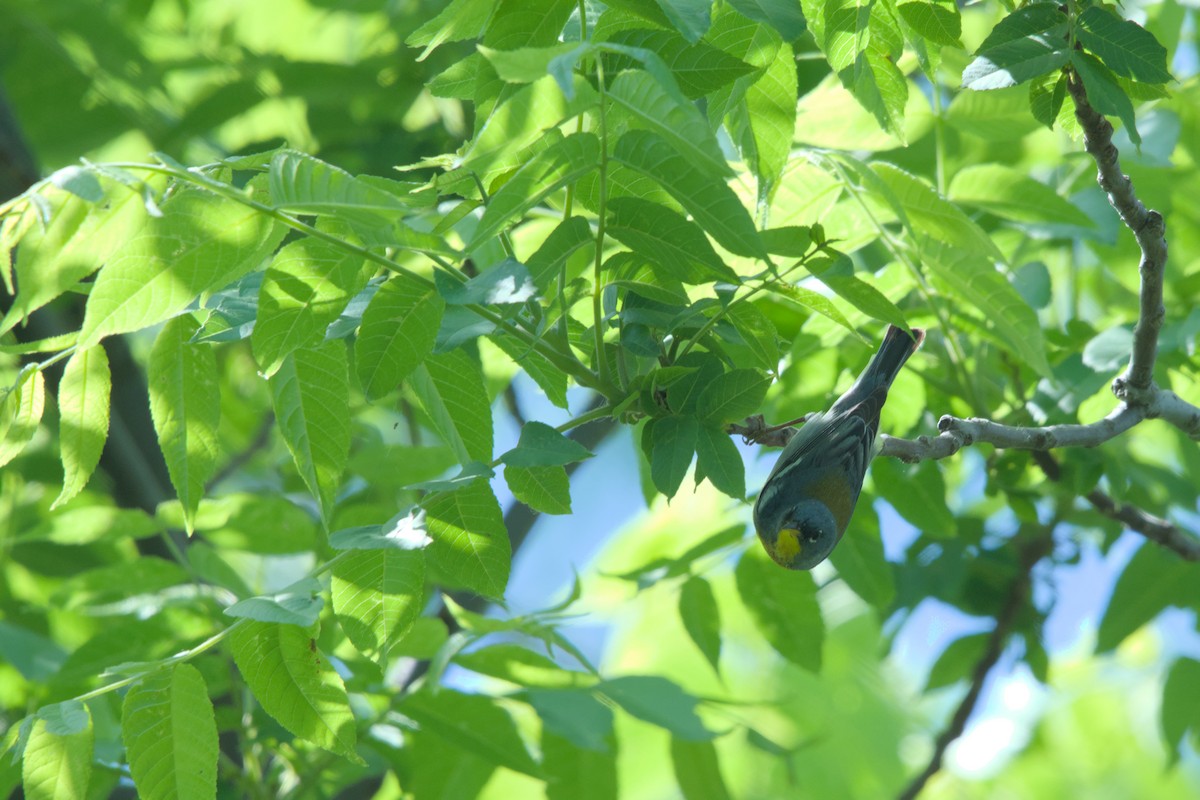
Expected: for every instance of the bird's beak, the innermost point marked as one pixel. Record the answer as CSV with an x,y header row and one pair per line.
x,y
787,545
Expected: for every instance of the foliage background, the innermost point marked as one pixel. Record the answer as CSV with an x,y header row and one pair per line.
x,y
1077,704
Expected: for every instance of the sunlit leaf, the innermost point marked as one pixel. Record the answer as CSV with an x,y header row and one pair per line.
x,y
170,735
294,684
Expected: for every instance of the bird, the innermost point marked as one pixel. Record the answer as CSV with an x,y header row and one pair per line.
x,y
806,503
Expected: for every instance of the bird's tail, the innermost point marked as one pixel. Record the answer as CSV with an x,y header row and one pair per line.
x,y
895,349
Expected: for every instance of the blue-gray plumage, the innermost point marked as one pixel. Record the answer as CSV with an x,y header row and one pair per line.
x,y
805,505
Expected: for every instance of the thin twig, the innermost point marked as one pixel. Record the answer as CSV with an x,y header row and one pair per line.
x,y
1018,593
1156,529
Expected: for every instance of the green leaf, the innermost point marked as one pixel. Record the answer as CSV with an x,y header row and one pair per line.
x,y
522,666
520,121
170,734
1180,704
784,16
299,604
680,123
543,446
302,184
783,604
956,661
1018,60
525,64
405,532
119,581
573,773
838,274
547,261
549,378
658,701
975,280
938,21
267,524
449,386
689,17
398,331
698,770
917,492
769,123
459,20
1046,99
561,164
377,597
702,619
673,442
36,657
1152,580
575,715
305,289
925,212
717,457
734,395
506,283
709,200
544,489
526,23
76,240
470,543
185,405
758,334
860,561
1104,93
841,29
699,68
1125,47
57,764
1011,194
88,524
20,412
295,685
472,722
667,238
311,398
810,300
83,396
79,181
200,243
1024,22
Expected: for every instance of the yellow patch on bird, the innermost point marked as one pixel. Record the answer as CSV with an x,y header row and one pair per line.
x,y
788,546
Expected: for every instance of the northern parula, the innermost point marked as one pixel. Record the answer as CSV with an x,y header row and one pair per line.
x,y
806,503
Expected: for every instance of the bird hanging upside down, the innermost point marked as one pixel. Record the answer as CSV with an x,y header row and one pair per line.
x,y
806,503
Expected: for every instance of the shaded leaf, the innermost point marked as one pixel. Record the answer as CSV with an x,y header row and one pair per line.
x,y
311,398
702,619
83,397
783,604
185,405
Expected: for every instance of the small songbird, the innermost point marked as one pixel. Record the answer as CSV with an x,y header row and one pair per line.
x,y
806,503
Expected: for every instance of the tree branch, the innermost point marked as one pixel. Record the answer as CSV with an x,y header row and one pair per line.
x,y
1156,529
1018,593
1139,398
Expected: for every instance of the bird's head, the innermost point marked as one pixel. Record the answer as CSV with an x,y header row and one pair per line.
x,y
799,535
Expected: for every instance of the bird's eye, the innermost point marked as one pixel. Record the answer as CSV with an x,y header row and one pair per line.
x,y
811,535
